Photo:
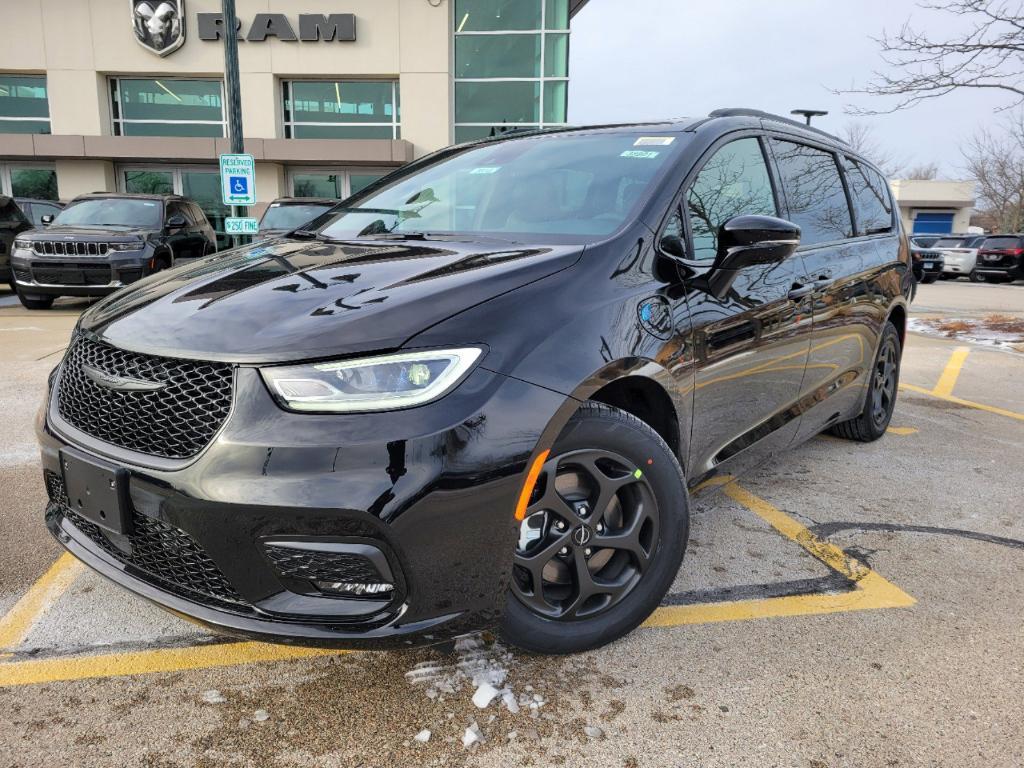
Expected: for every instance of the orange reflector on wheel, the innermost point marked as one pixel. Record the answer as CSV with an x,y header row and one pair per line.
x,y
531,481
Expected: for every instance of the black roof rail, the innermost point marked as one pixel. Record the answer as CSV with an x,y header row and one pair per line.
x,y
760,113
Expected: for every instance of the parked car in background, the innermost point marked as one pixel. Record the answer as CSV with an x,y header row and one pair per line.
x,y
288,213
35,210
477,393
927,262
101,242
12,223
1001,258
959,253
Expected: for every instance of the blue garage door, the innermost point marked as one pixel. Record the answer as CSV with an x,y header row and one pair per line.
x,y
933,223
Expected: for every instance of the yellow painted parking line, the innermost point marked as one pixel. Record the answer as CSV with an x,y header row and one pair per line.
x,y
871,591
902,431
147,662
951,372
968,403
16,623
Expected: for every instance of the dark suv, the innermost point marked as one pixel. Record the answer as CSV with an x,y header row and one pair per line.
x,y
928,261
101,242
1001,258
479,392
12,223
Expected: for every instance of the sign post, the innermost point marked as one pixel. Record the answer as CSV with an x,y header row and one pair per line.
x,y
234,106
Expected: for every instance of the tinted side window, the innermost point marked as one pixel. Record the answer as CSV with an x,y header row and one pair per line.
x,y
870,198
733,182
10,214
814,191
197,214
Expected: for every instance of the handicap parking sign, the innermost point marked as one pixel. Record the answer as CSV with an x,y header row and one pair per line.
x,y
238,179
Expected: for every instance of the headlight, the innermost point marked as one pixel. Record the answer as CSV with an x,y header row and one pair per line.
x,y
22,244
133,246
379,383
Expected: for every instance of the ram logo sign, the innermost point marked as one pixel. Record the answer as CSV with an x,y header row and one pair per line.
x,y
159,24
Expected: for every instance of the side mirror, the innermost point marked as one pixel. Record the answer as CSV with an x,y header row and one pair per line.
x,y
747,241
46,219
673,246
176,222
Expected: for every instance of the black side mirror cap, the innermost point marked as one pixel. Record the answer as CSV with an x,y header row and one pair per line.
x,y
46,218
673,245
747,241
176,222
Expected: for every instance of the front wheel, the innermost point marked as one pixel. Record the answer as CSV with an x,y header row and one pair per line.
x,y
882,390
976,277
603,537
35,301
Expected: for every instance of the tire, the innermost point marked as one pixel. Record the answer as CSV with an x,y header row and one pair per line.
x,y
883,389
650,510
161,262
976,277
35,301
929,279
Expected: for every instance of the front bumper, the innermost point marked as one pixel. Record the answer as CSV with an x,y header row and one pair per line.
x,y
92,275
433,487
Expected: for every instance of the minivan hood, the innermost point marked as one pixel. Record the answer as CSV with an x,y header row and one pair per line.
x,y
287,300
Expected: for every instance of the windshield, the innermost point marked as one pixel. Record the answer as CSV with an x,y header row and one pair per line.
x,y
923,242
281,216
571,186
1001,242
112,211
949,242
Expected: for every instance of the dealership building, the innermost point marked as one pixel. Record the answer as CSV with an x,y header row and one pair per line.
x,y
128,95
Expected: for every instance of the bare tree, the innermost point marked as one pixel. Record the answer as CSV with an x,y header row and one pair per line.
x,y
862,140
996,162
921,172
988,53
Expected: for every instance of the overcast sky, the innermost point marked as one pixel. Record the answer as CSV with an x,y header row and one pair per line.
x,y
640,59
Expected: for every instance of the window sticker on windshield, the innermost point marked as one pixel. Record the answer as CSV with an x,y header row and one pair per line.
x,y
654,141
487,169
644,154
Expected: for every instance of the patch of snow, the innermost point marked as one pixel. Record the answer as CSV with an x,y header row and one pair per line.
x,y
472,736
485,694
593,732
423,736
260,715
213,697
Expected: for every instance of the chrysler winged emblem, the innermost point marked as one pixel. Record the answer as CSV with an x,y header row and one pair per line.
x,y
159,24
120,383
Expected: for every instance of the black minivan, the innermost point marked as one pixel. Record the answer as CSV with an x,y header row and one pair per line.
x,y
477,393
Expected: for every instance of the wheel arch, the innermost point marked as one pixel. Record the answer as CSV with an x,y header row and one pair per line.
x,y
898,317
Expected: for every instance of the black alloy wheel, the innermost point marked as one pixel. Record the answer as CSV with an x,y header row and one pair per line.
x,y
883,388
596,522
603,535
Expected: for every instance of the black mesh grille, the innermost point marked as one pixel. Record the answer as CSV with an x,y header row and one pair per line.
x,y
323,566
70,273
174,422
167,555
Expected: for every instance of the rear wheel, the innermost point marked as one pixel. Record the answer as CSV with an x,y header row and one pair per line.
x,y
976,277
882,390
35,300
603,536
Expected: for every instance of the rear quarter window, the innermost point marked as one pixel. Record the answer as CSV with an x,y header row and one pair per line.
x,y
870,193
1001,243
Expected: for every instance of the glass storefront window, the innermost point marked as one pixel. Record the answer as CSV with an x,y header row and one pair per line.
x,y
359,181
497,102
167,107
35,183
497,56
24,105
511,65
149,182
331,183
497,15
340,109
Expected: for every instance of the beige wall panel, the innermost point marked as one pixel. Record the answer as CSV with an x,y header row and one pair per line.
x,y
423,36
261,114
78,102
79,177
68,32
270,184
23,49
425,110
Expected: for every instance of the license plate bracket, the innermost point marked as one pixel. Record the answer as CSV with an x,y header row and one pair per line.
x,y
97,490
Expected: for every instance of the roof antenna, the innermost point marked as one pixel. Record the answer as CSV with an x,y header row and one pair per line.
x,y
808,113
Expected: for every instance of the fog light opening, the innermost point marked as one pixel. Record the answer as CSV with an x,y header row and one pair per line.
x,y
354,588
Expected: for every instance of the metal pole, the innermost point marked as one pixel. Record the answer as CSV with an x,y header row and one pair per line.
x,y
232,91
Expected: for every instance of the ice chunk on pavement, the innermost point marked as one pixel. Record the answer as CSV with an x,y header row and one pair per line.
x,y
472,735
260,715
423,736
593,731
509,700
213,697
485,695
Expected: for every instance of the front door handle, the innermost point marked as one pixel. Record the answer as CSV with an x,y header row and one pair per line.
x,y
798,291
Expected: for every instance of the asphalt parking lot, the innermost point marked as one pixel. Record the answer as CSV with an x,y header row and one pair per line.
x,y
843,605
